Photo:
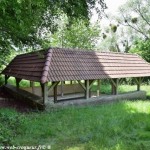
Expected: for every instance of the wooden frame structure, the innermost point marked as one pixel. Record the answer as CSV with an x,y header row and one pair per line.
x,y
57,65
87,85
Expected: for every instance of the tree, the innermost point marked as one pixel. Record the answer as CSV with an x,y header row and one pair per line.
x,y
115,38
77,35
23,22
133,24
135,15
142,48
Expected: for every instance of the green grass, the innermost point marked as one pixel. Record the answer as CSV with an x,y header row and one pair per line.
x,y
117,126
106,89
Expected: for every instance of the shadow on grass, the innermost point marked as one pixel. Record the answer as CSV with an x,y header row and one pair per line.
x,y
124,125
121,125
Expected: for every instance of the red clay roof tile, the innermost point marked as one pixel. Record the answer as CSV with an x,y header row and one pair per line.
x,y
59,64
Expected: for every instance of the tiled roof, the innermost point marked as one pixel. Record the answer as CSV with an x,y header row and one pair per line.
x,y
58,64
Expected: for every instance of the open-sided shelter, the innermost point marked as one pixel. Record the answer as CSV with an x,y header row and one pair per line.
x,y
59,64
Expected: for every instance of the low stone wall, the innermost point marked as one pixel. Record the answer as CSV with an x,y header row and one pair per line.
x,y
19,94
67,89
137,95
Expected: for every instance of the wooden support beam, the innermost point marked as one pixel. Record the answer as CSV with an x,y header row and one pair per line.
x,y
142,78
45,93
114,86
98,87
32,86
138,81
55,93
120,81
6,79
53,85
90,86
113,81
82,85
91,83
87,89
17,82
117,84
62,92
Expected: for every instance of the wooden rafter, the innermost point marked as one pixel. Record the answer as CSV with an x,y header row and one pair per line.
x,y
91,83
82,85
53,85
114,86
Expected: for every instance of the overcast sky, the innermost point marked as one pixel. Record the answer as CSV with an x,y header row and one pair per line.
x,y
113,5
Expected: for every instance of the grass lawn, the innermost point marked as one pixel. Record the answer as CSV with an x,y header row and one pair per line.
x,y
117,126
106,89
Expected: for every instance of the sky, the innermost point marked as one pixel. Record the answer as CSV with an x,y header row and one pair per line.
x,y
112,5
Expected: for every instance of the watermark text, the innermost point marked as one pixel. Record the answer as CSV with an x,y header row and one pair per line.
x,y
13,147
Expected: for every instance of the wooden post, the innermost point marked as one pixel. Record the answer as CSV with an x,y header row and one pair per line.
x,y
98,87
113,89
62,93
114,86
87,89
117,84
90,93
44,93
32,86
55,93
17,82
90,86
138,84
6,79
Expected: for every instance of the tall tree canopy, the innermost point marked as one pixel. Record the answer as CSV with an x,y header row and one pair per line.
x,y
130,26
23,21
77,35
135,15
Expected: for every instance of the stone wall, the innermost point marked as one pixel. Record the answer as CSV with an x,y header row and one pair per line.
x,y
67,89
137,95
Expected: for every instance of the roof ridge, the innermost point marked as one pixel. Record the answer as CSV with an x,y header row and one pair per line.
x,y
46,65
90,50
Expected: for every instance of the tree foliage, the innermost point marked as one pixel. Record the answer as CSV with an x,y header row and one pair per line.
x,y
77,35
115,38
142,48
135,15
133,22
22,21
